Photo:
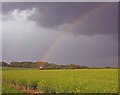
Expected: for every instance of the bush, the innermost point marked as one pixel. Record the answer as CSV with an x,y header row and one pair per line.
x,y
23,83
33,85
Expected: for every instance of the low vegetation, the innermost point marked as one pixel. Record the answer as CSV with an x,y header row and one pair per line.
x,y
6,88
63,81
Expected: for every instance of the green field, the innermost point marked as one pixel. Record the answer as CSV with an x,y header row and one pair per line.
x,y
9,89
64,81
0,80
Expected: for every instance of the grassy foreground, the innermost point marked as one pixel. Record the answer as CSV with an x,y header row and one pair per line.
x,y
64,81
9,89
0,80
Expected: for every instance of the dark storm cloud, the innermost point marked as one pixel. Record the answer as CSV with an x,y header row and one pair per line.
x,y
51,15
23,40
10,6
55,14
104,21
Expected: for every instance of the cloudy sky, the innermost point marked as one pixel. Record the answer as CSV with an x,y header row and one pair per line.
x,y
62,33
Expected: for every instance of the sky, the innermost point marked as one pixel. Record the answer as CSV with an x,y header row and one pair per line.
x,y
61,33
0,32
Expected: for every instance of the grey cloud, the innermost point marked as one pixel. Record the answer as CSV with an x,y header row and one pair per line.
x,y
10,6
52,15
7,17
24,40
55,14
98,50
101,21
104,21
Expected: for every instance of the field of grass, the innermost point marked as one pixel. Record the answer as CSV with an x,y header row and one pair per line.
x,y
0,80
9,89
64,81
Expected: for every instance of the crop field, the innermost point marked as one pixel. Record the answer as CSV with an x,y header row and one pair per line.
x,y
0,79
62,81
9,89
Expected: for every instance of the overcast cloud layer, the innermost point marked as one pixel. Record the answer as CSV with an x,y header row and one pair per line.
x,y
30,28
0,48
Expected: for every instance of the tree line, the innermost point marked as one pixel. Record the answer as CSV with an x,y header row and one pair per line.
x,y
46,65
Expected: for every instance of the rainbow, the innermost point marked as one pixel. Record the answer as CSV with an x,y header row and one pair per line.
x,y
71,26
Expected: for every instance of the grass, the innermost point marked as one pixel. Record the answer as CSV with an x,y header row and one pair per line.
x,y
0,80
9,89
65,81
